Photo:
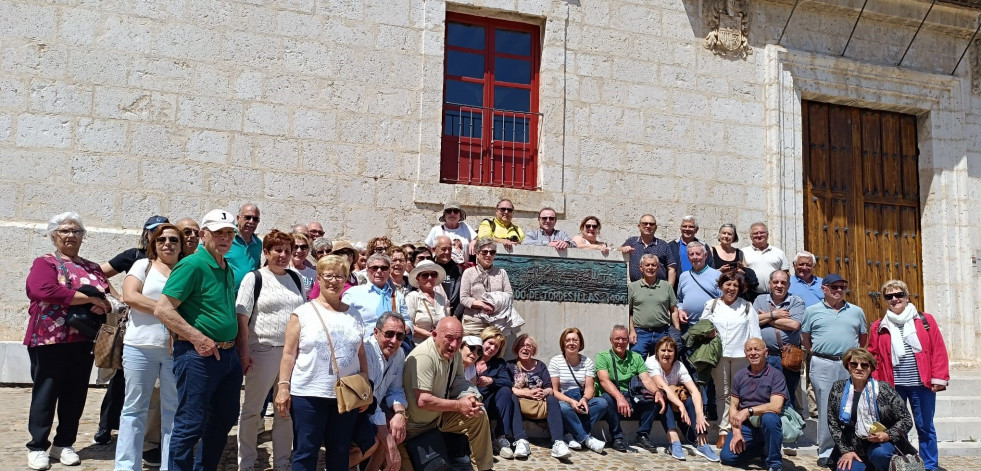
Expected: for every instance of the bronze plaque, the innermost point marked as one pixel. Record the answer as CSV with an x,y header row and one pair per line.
x,y
565,280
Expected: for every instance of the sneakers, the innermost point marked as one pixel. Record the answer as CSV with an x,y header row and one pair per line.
x,y
560,450
152,457
503,448
573,444
522,449
38,459
644,442
65,454
705,451
677,452
619,444
103,436
595,444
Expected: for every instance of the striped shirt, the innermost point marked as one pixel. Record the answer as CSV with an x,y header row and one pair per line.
x,y
558,368
906,373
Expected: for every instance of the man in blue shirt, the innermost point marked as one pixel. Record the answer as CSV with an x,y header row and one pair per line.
x,y
804,284
547,234
647,243
679,247
246,252
370,301
696,286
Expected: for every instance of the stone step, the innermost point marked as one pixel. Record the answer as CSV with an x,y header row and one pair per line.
x,y
964,384
957,429
957,406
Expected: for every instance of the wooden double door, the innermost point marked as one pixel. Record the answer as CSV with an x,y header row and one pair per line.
x,y
862,199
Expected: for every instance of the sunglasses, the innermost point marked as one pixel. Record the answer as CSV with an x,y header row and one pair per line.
x,y
839,288
302,247
380,249
891,296
428,275
398,334
251,218
649,224
190,232
171,239
547,218
452,211
379,268
591,226
859,364
506,210
488,252
423,257
477,349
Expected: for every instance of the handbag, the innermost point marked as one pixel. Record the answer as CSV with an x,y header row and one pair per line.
x,y
911,462
682,392
791,356
80,317
108,347
352,392
533,409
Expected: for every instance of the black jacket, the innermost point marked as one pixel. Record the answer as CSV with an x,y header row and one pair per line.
x,y
892,413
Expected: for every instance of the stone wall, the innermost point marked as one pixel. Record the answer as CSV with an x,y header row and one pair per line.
x,y
330,110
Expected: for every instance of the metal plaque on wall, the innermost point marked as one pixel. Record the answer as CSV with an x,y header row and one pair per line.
x,y
565,280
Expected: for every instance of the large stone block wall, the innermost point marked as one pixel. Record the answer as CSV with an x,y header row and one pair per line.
x,y
330,110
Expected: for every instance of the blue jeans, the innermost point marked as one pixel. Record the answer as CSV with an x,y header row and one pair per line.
x,y
647,340
879,455
647,412
669,422
763,441
141,367
208,391
503,406
581,425
792,378
924,403
317,422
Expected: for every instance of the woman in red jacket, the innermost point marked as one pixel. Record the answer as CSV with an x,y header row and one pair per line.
x,y
911,354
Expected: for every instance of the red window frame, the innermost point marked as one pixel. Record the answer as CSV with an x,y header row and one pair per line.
x,y
503,152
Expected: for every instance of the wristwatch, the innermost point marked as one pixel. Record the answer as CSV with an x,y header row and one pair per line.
x,y
750,411
403,413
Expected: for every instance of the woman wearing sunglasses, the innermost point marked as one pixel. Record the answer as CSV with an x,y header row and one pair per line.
x,y
867,418
912,357
588,237
428,303
478,280
301,263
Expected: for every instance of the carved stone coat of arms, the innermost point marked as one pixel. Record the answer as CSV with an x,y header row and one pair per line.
x,y
728,29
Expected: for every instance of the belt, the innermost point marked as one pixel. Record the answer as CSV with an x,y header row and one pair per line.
x,y
653,329
827,357
221,345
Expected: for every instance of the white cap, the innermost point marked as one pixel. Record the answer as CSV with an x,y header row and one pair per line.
x,y
217,220
472,340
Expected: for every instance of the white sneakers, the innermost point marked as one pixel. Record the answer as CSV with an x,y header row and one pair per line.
x,y
65,454
595,444
503,448
38,459
573,444
522,449
560,450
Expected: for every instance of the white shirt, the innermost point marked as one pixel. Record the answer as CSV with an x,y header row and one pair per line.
x,y
764,262
308,276
677,376
559,368
144,329
426,314
736,324
277,300
463,232
313,373
386,375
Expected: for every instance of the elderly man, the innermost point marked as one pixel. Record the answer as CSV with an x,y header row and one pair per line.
x,y
830,329
439,395
653,309
758,394
443,256
386,361
804,283
647,243
547,234
300,229
614,369
679,247
314,230
697,285
501,229
246,252
192,234
198,306
369,301
762,257
782,314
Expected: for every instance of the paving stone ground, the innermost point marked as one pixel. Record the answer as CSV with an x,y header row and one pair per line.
x,y
14,403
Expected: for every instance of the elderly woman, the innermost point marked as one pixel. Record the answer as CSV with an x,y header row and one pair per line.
x,y
428,303
587,238
300,262
911,356
670,376
724,253
398,274
533,383
736,322
871,422
379,245
471,350
321,248
61,356
265,317
146,350
453,227
494,381
573,384
347,251
477,280
320,334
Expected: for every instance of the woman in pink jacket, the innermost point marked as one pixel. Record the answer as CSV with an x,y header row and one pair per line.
x,y
911,354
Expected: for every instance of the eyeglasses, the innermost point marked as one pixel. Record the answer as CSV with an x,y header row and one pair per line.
x,y
837,287
302,247
316,233
379,268
321,252
251,218
381,249
428,275
161,240
649,224
859,364
452,211
591,226
488,252
398,334
506,210
891,296
547,218
68,232
331,277
190,232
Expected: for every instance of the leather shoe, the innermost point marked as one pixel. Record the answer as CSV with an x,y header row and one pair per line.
x,y
722,441
619,444
645,443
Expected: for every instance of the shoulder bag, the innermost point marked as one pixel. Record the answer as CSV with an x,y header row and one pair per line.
x,y
531,408
108,348
352,392
80,317
791,356
902,462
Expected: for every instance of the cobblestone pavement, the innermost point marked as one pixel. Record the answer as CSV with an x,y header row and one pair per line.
x,y
14,403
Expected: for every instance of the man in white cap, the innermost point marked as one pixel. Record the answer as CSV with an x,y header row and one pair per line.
x,y
198,305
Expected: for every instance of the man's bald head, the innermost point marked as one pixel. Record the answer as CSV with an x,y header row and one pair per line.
x,y
757,342
447,336
443,249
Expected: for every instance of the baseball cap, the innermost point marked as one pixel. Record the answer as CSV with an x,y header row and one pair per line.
x,y
472,340
217,220
832,278
154,221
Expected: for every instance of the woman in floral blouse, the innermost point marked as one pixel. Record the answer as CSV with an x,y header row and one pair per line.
x,y
61,356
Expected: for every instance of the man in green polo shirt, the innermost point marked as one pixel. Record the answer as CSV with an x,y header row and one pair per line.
x,y
198,306
653,309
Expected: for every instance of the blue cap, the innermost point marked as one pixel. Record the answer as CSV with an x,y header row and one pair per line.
x,y
154,221
831,278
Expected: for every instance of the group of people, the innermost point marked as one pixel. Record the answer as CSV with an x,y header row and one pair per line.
x,y
296,317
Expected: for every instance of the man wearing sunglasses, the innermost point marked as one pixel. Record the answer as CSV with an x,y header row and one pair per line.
x,y
372,300
246,252
386,362
831,328
648,243
547,234
501,228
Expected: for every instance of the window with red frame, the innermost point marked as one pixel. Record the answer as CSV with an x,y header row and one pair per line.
x,y
490,103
